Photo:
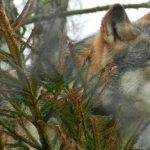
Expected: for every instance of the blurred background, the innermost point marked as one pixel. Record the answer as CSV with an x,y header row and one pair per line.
x,y
81,26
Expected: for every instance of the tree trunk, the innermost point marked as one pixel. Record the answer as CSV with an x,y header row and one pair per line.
x,y
51,34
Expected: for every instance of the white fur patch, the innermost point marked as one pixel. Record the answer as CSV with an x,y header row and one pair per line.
x,y
144,93
131,82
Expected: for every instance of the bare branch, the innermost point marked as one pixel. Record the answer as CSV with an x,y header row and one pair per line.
x,y
86,11
102,8
26,44
24,15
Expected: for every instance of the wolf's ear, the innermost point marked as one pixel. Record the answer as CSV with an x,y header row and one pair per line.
x,y
117,26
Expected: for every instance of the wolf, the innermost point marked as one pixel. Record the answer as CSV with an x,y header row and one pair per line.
x,y
124,47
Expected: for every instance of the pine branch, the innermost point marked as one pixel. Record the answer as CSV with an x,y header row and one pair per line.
x,y
28,133
1,141
17,136
8,32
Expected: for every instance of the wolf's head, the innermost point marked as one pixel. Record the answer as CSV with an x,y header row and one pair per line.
x,y
116,28
128,45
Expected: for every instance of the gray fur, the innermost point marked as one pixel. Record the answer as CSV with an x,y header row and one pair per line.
x,y
129,93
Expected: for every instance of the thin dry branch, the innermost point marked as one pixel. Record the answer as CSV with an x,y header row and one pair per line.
x,y
86,11
102,8
24,15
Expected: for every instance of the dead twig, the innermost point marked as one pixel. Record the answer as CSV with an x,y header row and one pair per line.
x,y
24,15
